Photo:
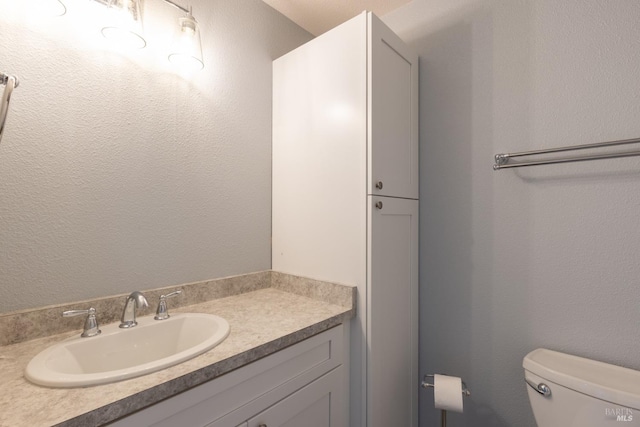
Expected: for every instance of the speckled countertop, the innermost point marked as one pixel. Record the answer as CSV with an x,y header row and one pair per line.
x,y
262,322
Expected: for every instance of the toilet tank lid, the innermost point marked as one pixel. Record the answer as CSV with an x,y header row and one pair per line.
x,y
601,380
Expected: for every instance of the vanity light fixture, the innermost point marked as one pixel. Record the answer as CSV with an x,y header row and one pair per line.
x,y
187,49
125,23
126,28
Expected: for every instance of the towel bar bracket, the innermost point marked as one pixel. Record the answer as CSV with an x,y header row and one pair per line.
x,y
10,82
4,78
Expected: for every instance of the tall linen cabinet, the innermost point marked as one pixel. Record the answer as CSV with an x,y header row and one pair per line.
x,y
345,199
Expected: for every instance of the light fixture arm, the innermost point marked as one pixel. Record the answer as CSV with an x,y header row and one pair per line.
x,y
177,6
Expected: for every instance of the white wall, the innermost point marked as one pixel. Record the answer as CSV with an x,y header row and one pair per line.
x,y
117,174
519,259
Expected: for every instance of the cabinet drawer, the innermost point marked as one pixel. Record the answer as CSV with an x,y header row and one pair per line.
x,y
315,405
277,375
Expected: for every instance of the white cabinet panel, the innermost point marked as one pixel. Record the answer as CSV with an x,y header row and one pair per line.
x,y
392,324
319,157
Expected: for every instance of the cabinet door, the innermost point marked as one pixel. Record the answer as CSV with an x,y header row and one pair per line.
x,y
392,318
316,405
393,114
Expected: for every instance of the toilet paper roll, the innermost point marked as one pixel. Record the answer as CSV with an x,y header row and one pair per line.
x,y
447,393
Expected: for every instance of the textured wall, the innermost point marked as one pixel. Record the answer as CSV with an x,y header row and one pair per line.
x,y
117,174
520,259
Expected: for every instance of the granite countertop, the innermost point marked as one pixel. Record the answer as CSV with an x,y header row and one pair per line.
x,y
262,322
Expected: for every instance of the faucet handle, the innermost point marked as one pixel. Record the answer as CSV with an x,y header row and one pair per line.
x,y
91,328
162,313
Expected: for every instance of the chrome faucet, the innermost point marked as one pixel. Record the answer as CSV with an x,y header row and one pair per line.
x,y
135,300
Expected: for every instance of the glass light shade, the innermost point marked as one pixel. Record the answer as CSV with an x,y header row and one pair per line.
x,y
125,23
58,9
50,8
187,50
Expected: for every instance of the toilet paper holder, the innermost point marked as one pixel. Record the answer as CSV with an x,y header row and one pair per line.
x,y
443,414
465,391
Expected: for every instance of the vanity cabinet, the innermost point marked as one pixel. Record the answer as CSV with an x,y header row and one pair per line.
x,y
345,199
305,381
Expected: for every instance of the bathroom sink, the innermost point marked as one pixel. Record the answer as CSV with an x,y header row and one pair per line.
x,y
117,354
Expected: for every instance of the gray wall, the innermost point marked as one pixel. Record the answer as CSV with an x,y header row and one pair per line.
x,y
520,259
118,174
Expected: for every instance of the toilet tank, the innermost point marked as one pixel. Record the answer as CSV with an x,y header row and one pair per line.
x,y
580,392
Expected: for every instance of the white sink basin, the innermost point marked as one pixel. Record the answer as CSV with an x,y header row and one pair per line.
x,y
118,354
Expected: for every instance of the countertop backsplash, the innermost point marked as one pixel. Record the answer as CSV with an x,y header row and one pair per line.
x,y
25,325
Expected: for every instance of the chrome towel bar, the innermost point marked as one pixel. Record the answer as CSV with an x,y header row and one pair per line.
x,y
10,82
504,161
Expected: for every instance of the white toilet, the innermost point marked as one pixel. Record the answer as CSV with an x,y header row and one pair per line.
x,y
571,391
